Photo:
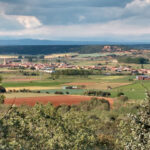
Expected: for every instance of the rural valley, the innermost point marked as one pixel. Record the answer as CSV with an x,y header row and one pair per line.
x,y
103,87
74,74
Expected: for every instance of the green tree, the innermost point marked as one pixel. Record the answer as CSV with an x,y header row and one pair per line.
x,y
1,78
135,131
42,127
2,98
2,90
20,57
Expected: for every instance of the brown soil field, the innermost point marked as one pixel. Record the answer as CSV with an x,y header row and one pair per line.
x,y
55,100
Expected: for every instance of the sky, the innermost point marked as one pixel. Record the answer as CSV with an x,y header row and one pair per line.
x,y
76,20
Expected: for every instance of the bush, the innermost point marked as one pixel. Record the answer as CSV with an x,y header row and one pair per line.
x,y
123,98
30,73
72,72
97,93
14,90
2,98
95,103
135,130
2,89
63,108
120,94
42,127
59,92
67,92
25,90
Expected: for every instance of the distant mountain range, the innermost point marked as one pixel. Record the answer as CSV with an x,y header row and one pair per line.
x,y
48,42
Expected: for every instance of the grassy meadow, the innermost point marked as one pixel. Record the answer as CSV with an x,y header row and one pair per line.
x,y
46,85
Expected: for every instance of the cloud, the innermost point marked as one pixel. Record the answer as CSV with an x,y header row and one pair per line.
x,y
8,23
138,4
28,21
58,12
13,22
110,31
75,19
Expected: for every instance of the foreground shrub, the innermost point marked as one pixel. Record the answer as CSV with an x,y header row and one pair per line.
x,y
2,99
95,103
107,140
135,130
123,98
63,108
42,127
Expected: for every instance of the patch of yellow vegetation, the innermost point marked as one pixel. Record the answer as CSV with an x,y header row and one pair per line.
x,y
7,56
111,77
21,95
32,88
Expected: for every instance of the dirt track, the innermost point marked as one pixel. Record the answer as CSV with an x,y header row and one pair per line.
x,y
55,100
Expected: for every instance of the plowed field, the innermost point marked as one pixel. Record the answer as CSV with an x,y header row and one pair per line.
x,y
55,100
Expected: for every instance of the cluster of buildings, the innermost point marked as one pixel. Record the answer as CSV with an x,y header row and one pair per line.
x,y
50,68
108,48
53,66
143,77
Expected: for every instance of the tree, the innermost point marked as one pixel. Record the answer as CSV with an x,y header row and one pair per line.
x,y
33,68
41,57
1,79
135,130
2,98
42,127
2,90
142,61
20,57
136,60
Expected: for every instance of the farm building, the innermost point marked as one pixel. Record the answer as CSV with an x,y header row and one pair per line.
x,y
69,87
143,77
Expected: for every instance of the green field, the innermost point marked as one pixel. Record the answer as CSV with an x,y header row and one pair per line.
x,y
133,91
33,83
126,84
71,91
97,55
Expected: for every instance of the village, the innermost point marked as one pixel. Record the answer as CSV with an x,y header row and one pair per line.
x,y
51,67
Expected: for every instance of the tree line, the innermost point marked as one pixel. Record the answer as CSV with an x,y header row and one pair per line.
x,y
51,49
135,60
